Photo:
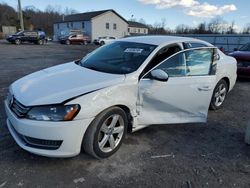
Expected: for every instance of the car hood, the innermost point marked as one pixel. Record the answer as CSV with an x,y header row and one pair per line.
x,y
241,55
59,83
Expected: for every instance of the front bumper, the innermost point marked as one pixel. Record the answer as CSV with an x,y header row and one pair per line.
x,y
62,41
10,39
96,42
70,134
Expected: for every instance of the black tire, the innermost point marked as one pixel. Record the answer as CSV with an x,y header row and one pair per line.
x,y
215,105
102,43
40,42
18,41
68,42
92,136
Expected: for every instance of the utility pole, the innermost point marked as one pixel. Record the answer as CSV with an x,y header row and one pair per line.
x,y
20,15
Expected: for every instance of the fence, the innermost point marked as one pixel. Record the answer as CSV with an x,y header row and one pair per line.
x,y
228,41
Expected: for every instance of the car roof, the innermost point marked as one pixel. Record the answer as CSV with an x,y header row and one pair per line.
x,y
161,40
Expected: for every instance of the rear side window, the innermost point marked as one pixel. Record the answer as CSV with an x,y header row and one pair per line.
x,y
189,45
197,62
30,34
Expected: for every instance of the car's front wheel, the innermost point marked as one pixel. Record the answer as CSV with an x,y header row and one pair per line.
x,y
219,95
18,41
102,43
106,133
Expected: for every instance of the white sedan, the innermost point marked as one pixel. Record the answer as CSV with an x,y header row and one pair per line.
x,y
104,40
120,87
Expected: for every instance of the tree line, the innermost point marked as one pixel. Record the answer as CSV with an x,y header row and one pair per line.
x,y
37,19
33,17
216,25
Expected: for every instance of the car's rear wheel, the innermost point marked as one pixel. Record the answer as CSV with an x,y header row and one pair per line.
x,y
40,42
106,133
67,42
219,95
18,41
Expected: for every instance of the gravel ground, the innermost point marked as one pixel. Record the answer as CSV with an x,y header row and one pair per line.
x,y
186,155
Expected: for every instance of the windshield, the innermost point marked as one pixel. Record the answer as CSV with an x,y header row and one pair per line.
x,y
118,57
19,33
246,47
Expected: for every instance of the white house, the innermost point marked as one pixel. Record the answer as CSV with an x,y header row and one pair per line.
x,y
94,24
136,28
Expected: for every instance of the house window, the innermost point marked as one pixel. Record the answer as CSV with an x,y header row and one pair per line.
x,y
58,26
107,25
139,30
144,30
129,30
114,26
83,25
67,25
71,24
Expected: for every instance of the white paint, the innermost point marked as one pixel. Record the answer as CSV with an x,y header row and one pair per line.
x,y
99,26
150,102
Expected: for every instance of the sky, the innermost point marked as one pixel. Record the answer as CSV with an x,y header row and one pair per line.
x,y
175,12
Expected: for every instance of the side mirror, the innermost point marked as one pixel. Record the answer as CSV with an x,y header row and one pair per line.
x,y
159,75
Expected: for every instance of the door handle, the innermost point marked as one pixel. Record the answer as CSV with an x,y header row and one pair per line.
x,y
204,88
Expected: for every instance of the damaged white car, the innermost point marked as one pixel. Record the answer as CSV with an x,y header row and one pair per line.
x,y
120,87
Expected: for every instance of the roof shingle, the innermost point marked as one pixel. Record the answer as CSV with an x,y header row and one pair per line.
x,y
136,24
86,16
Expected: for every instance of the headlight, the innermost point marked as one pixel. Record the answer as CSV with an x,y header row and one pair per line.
x,y
54,112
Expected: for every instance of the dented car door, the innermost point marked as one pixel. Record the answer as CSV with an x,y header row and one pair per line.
x,y
185,96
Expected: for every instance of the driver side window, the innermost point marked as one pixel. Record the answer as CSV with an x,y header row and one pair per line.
x,y
174,66
163,54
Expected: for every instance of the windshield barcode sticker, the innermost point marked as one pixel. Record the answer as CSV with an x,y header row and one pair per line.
x,y
133,50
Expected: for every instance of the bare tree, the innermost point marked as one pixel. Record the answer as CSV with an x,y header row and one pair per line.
x,y
69,11
231,28
8,16
142,21
218,25
184,29
246,29
163,22
201,29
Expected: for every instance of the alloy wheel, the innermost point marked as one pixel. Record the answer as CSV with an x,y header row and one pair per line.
x,y
111,133
220,95
18,41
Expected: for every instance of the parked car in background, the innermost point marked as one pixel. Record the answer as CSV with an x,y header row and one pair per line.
x,y
75,39
37,37
104,40
122,87
242,56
